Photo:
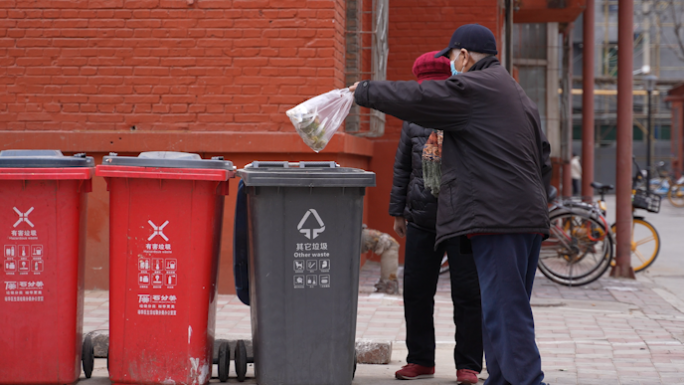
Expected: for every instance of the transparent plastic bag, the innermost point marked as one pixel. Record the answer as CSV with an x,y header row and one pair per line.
x,y
317,119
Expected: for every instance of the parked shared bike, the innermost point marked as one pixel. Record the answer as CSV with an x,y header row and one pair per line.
x,y
581,244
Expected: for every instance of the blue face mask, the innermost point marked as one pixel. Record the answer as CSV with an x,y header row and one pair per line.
x,y
454,71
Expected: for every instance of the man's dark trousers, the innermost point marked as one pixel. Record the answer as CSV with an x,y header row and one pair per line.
x,y
421,273
506,264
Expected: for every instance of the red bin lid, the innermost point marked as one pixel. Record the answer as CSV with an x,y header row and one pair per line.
x,y
166,165
168,159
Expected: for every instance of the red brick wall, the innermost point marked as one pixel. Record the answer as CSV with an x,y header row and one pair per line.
x,y
193,66
417,27
165,64
196,66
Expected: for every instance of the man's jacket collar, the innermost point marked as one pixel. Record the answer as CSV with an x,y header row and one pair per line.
x,y
487,62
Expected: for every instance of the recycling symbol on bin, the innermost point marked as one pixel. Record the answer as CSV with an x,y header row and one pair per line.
x,y
311,233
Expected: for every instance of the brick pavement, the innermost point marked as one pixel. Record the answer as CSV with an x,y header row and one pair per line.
x,y
609,332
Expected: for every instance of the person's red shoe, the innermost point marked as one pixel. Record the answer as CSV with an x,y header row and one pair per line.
x,y
466,376
414,372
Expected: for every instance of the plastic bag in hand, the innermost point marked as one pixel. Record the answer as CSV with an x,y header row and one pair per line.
x,y
317,119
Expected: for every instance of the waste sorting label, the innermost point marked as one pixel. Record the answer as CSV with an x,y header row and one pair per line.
x,y
311,254
157,273
23,258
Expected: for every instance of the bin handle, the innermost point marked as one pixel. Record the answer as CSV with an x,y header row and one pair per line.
x,y
258,163
329,164
222,188
86,186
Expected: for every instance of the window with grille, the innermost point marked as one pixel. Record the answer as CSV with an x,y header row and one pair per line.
x,y
530,59
366,58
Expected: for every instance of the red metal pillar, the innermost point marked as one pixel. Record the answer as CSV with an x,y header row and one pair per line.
x,y
588,100
623,184
677,145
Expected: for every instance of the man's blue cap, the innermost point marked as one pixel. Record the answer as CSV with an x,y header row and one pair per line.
x,y
471,37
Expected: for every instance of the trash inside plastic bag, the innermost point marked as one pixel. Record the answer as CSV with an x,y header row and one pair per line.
x,y
317,119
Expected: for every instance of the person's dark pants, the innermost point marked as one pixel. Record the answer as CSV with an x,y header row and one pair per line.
x,y
421,273
576,187
506,264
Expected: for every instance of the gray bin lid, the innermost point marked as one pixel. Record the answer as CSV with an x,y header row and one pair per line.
x,y
43,159
168,159
304,174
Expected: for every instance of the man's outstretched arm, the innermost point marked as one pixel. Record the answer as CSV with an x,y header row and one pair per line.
x,y
440,105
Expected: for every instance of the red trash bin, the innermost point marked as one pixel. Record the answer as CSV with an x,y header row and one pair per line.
x,y
42,222
166,211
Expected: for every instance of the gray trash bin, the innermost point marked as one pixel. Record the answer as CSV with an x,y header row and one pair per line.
x,y
305,242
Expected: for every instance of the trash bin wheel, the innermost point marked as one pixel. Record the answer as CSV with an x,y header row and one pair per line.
x,y
223,361
241,360
354,372
88,355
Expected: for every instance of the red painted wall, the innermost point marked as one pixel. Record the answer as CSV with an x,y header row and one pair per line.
x,y
541,11
676,98
416,28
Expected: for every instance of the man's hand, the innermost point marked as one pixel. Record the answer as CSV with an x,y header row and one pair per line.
x,y
353,88
400,226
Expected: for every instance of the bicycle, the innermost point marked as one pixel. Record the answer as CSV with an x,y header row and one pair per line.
x,y
581,245
579,224
662,180
645,250
665,183
676,193
645,239
579,249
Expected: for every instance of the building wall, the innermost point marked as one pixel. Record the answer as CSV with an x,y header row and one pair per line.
x,y
197,65
414,29
604,158
208,76
663,63
188,75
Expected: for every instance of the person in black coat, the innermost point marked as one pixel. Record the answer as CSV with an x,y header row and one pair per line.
x,y
414,207
494,186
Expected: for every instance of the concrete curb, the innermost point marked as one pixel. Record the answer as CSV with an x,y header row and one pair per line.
x,y
367,351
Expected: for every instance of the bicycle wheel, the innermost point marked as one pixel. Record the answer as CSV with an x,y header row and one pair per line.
x,y
645,244
578,251
659,185
676,195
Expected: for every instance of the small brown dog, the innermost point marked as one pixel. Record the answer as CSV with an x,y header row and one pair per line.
x,y
387,248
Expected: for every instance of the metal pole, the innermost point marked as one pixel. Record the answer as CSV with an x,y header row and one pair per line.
x,y
508,59
623,185
648,144
567,96
588,100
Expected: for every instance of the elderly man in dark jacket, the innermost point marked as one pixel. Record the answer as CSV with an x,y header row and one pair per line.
x,y
413,200
495,174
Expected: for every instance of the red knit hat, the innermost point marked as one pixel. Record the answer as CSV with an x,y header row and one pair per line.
x,y
427,67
